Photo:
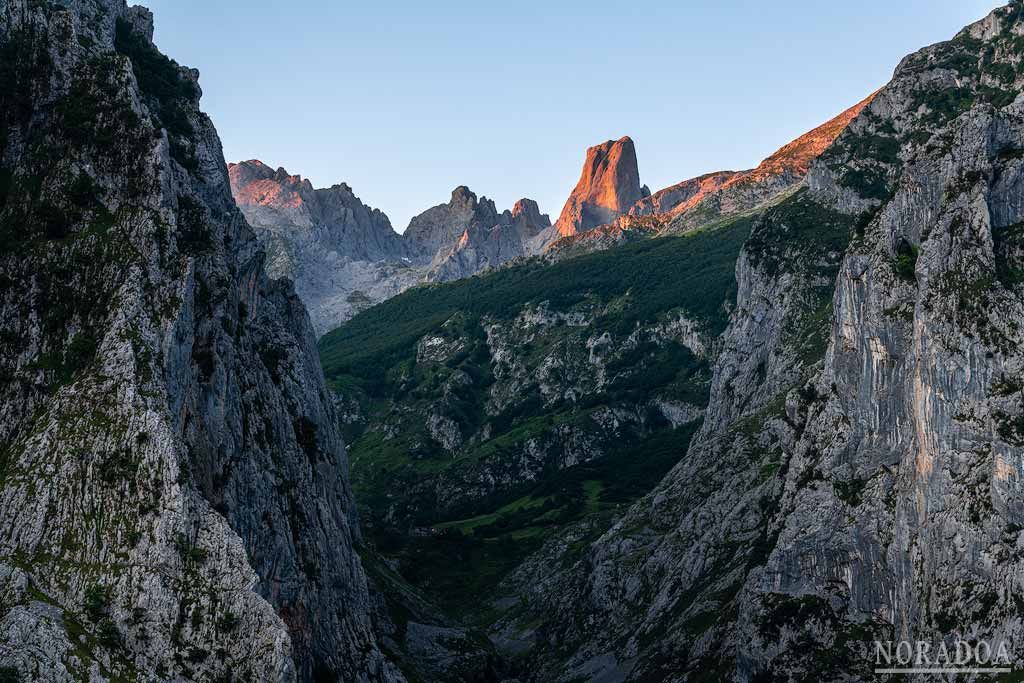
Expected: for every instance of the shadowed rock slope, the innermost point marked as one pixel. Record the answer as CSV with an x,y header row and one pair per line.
x,y
173,494
490,414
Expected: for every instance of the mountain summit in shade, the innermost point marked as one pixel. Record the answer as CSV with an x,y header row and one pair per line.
x,y
443,225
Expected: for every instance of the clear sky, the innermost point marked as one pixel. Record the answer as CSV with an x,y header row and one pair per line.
x,y
405,100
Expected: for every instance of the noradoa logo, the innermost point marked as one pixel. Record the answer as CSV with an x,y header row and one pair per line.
x,y
963,657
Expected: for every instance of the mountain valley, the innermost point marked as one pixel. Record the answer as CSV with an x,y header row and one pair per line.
x,y
743,428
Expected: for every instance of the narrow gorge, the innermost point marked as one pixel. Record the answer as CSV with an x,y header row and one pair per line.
x,y
750,427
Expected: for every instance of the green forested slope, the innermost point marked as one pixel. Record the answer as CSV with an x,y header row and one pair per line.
x,y
561,390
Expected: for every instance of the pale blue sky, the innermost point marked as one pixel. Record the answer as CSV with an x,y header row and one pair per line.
x,y
406,100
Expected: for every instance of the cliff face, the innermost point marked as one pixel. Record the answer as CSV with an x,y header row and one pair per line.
x,y
443,225
334,216
681,196
173,493
857,474
491,242
343,256
607,188
773,177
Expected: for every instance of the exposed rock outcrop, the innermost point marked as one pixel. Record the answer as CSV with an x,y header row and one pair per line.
x,y
174,502
684,195
490,243
443,225
607,188
342,255
334,216
777,174
345,257
702,201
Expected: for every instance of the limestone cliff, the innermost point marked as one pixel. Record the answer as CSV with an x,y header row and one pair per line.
x,y
345,257
342,255
443,225
174,502
707,199
490,243
333,215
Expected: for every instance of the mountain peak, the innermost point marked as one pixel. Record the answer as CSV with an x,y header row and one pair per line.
x,y
444,224
250,171
463,195
608,186
795,158
526,207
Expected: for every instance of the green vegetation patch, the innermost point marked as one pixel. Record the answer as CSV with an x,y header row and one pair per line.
x,y
460,561
800,235
171,95
159,78
1009,250
883,148
460,554
694,272
906,261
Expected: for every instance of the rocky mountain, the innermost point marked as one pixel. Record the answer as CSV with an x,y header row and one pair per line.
x,y
856,477
345,257
358,232
342,255
490,243
699,202
174,502
772,178
682,196
858,386
444,225
607,188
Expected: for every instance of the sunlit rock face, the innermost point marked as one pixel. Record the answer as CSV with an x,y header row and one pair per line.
x,y
333,215
736,192
342,255
682,196
700,201
345,256
607,188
